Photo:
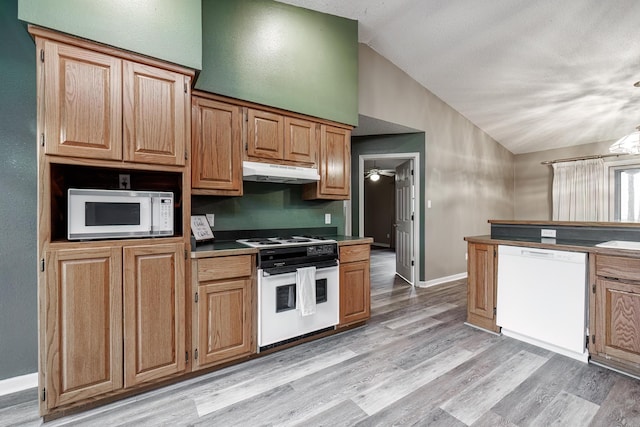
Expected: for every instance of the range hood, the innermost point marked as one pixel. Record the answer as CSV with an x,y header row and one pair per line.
x,y
267,172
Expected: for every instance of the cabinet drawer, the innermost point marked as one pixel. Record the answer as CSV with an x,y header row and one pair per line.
x,y
353,253
224,267
618,267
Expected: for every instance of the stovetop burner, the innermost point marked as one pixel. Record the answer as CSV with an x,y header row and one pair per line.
x,y
258,242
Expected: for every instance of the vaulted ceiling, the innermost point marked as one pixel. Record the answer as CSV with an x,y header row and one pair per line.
x,y
533,74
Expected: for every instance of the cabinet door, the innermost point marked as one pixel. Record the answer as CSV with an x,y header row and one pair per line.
x,y
265,134
82,103
481,285
300,140
355,291
156,128
217,147
83,324
154,312
333,165
225,321
618,320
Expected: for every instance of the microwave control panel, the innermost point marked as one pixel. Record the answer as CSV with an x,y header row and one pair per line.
x,y
164,212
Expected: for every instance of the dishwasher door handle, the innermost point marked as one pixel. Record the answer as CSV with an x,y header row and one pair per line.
x,y
537,254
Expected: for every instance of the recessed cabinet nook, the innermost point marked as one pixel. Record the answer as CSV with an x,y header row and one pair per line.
x,y
118,316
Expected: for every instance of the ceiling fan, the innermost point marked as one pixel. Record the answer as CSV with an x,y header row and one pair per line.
x,y
374,173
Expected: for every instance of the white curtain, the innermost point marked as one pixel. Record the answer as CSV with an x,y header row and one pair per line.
x,y
579,190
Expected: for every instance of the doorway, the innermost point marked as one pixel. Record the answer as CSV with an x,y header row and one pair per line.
x,y
404,236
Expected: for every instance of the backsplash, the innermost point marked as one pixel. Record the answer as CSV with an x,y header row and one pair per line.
x,y
267,206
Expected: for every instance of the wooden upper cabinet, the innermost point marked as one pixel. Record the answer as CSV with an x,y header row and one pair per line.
x,y
216,163
334,165
155,115
83,321
101,106
265,134
300,140
154,312
82,102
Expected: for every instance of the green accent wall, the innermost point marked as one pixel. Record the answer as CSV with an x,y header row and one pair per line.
x,y
268,206
166,29
385,144
18,196
282,56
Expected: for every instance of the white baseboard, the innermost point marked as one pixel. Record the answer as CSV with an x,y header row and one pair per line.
x,y
14,384
440,280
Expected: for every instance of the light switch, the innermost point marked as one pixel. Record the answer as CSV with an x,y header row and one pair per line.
x,y
210,219
428,204
327,218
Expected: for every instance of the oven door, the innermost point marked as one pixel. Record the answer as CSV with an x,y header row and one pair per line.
x,y
279,318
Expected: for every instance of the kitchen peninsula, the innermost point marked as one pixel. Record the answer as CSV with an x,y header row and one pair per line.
x,y
612,286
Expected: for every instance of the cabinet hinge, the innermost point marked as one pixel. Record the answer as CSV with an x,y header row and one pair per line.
x,y
41,55
195,354
186,88
42,139
185,254
593,288
186,155
593,339
44,394
196,299
42,264
495,311
186,356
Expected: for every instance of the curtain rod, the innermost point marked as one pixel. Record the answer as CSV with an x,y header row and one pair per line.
x,y
575,159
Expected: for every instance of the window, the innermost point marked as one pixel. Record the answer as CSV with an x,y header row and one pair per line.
x,y
625,192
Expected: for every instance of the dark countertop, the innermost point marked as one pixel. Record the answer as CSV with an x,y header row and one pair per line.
x,y
230,247
588,246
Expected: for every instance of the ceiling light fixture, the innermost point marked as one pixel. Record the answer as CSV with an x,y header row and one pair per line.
x,y
374,176
628,144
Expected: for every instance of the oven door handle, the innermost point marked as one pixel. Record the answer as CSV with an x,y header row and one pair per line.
x,y
272,271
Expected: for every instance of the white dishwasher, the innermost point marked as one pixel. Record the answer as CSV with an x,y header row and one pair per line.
x,y
542,298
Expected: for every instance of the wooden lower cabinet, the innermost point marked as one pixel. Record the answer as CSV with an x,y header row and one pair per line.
x,y
224,324
83,317
355,287
154,312
114,318
481,286
616,325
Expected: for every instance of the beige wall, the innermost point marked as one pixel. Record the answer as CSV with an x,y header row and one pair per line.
x,y
469,175
533,180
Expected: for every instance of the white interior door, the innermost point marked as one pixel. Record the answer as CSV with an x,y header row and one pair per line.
x,y
405,198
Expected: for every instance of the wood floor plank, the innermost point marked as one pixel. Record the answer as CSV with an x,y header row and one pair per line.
x,y
566,410
621,407
210,402
383,394
473,402
424,313
527,400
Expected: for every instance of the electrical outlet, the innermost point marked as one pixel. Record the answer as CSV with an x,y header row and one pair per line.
x,y
547,233
327,218
466,256
124,181
210,219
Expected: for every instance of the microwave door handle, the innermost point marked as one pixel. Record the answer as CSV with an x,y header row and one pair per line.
x,y
150,214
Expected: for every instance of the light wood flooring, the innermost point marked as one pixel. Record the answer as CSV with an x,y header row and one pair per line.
x,y
415,363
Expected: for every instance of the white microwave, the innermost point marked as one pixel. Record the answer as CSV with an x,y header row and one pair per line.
x,y
107,214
